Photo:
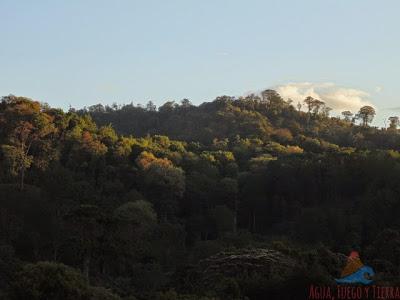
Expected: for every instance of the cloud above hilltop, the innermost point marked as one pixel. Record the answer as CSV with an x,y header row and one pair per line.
x,y
337,97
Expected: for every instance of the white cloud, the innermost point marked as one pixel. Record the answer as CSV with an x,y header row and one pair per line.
x,y
336,97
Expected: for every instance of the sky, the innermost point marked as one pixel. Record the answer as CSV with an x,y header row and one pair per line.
x,y
83,52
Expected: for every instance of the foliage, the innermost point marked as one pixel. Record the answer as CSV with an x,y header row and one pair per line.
x,y
46,280
136,199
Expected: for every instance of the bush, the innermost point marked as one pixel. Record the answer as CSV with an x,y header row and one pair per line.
x,y
46,280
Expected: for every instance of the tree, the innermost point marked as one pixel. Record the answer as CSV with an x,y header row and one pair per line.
x,y
348,115
133,225
224,219
228,197
168,107
394,122
269,95
26,130
139,213
326,111
17,160
164,182
185,103
107,135
283,135
274,101
309,101
47,280
150,106
99,108
318,105
366,114
85,226
314,105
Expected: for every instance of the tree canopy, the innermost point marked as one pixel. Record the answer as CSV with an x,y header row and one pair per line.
x,y
132,202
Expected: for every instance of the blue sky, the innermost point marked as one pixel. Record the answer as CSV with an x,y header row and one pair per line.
x,y
82,52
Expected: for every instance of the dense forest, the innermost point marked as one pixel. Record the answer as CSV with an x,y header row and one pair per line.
x,y
239,198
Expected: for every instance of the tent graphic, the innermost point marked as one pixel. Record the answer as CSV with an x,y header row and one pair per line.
x,y
355,271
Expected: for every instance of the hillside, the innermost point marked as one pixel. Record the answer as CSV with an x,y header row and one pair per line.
x,y
267,117
130,202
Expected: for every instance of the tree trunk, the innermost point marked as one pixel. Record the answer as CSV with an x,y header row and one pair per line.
x,y
254,221
22,179
86,266
235,222
55,251
235,213
102,266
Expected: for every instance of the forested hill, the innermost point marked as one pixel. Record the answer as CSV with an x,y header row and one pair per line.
x,y
250,198
267,117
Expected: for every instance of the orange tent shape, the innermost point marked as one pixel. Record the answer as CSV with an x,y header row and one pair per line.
x,y
353,264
